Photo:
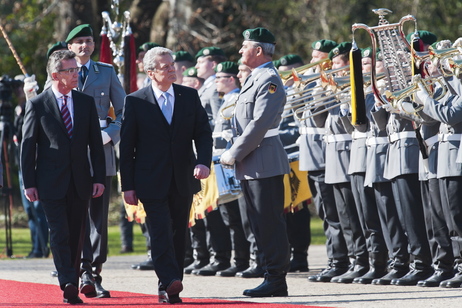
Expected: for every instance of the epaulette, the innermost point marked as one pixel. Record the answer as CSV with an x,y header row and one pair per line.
x,y
104,64
271,71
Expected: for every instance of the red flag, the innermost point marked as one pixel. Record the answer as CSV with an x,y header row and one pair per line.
x,y
130,72
105,50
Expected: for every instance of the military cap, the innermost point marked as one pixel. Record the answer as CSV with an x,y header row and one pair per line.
x,y
366,52
426,37
259,34
290,59
324,45
190,72
227,67
148,45
340,49
56,46
82,30
276,63
182,56
210,51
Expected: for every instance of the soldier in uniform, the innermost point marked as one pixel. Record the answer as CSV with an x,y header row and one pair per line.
x,y
183,61
260,160
100,81
190,78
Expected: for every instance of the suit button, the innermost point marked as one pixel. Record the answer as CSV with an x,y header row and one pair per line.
x,y
102,93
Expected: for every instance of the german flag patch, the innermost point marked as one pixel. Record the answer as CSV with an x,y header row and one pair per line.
x,y
272,88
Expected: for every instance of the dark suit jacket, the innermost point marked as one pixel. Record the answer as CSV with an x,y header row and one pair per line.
x,y
152,152
49,158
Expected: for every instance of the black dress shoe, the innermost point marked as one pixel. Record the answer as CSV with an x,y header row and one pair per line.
x,y
73,301
252,272
412,277
231,271
271,286
454,282
147,265
211,269
328,273
71,294
373,273
386,280
100,291
195,265
435,280
87,285
174,288
297,266
349,276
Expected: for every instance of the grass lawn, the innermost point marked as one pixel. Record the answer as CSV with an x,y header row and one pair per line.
x,y
22,243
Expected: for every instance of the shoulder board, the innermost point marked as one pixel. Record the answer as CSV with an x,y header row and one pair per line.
x,y
104,64
271,72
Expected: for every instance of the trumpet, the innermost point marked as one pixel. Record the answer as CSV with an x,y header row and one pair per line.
x,y
289,75
341,97
455,66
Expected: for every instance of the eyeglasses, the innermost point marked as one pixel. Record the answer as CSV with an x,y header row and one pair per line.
x,y
70,70
219,77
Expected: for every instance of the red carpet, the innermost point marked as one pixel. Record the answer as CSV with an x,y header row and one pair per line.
x,y
26,294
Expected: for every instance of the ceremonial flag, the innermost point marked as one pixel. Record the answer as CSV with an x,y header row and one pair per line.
x,y
130,74
105,55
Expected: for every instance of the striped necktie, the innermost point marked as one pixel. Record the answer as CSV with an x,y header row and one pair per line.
x,y
66,116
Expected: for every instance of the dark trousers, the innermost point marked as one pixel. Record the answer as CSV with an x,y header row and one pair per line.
x,y
406,192
451,199
437,230
369,219
231,215
67,219
323,197
265,208
351,226
126,229
299,233
95,246
167,224
256,257
219,236
198,235
393,231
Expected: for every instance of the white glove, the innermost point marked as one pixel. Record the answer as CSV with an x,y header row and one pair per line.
x,y
30,87
297,142
227,134
407,107
344,109
422,95
227,159
105,137
458,42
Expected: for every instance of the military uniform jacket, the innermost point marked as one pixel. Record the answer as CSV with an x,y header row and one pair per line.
x,y
449,113
312,147
104,86
223,124
210,99
258,109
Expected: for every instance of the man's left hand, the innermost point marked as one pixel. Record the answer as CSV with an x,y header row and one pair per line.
x,y
201,172
98,190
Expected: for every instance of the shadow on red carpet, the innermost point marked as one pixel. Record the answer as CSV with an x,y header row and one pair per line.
x,y
26,294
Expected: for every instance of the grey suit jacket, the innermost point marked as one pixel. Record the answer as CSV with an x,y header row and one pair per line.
x,y
104,86
258,109
210,100
49,158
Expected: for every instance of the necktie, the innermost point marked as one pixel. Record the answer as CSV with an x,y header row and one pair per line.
x,y
167,109
66,115
83,74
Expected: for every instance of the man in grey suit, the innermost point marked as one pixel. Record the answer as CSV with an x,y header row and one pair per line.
x,y
260,159
100,81
158,164
60,139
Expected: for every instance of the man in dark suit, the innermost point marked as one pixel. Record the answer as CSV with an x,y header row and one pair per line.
x,y
261,160
158,165
61,137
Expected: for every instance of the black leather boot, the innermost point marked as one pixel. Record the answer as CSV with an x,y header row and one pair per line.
x,y
273,285
377,269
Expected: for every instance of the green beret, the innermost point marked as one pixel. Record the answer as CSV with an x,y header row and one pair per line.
x,y
324,45
148,45
56,46
426,37
182,56
341,48
259,34
276,63
210,51
378,55
190,72
366,52
290,59
82,30
227,67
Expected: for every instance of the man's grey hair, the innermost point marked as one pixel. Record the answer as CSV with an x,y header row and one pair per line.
x,y
55,61
149,60
268,48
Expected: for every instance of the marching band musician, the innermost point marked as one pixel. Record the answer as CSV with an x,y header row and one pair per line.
x,y
298,222
100,81
364,195
190,79
260,160
338,146
312,159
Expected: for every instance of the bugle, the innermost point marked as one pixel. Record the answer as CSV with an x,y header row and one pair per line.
x,y
289,75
